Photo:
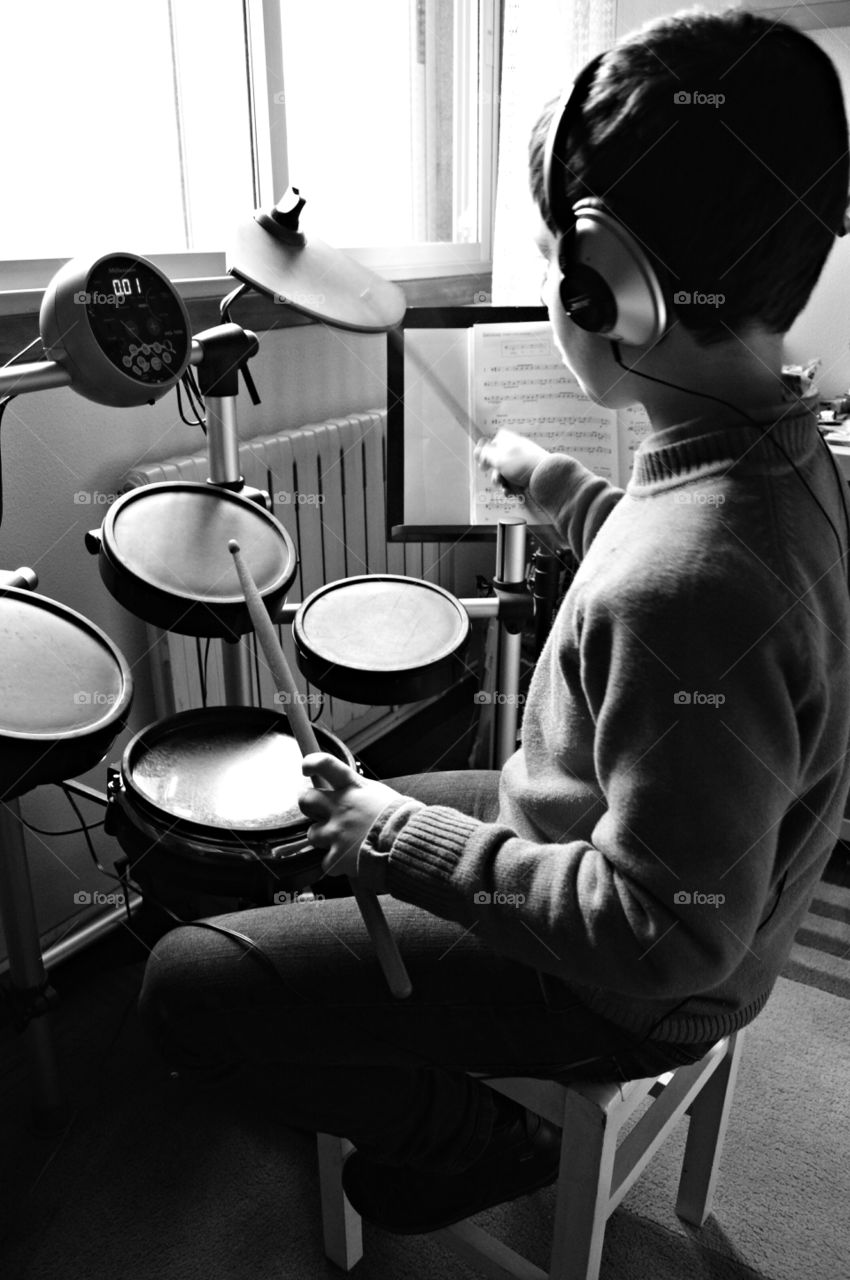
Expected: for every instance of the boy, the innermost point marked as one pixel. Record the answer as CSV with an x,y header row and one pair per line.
x,y
648,853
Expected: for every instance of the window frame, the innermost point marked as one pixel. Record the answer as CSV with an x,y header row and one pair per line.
x,y
204,275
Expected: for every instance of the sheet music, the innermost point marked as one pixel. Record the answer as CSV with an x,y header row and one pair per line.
x,y
518,381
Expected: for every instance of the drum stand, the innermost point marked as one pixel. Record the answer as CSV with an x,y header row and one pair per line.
x,y
29,992
224,351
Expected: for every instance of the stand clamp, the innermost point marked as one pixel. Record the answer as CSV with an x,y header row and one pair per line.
x,y
227,349
516,605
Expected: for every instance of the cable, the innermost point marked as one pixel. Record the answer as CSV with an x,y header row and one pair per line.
x,y
128,883
85,827
198,420
69,831
191,384
764,433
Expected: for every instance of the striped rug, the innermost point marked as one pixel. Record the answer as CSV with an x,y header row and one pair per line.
x,y
820,956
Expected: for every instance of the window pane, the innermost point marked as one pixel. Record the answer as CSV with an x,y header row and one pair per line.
x,y
104,147
375,93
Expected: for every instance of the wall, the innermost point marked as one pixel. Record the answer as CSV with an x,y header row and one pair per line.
x,y
823,328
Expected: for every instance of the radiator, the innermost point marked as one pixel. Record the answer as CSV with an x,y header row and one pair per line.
x,y
327,482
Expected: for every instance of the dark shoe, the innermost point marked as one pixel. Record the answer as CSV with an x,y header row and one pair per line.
x,y
522,1156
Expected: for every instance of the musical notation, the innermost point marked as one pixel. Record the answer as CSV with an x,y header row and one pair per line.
x,y
500,376
521,384
512,384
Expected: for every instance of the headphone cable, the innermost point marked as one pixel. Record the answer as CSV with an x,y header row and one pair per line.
x,y
764,434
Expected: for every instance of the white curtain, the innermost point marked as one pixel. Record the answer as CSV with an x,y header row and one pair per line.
x,y
545,45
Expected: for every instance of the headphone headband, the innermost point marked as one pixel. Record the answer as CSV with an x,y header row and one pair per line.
x,y
610,286
563,121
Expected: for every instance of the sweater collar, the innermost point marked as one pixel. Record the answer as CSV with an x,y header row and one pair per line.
x,y
695,447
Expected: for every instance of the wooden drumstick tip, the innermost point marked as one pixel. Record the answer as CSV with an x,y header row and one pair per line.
x,y
233,547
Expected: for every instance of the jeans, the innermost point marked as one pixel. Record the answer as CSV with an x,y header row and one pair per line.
x,y
316,1035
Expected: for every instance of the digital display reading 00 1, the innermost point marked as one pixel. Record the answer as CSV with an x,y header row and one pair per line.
x,y
136,319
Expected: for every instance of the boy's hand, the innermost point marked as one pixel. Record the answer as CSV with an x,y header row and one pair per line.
x,y
511,457
342,816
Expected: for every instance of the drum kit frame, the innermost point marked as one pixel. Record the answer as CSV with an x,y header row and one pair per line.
x,y
222,353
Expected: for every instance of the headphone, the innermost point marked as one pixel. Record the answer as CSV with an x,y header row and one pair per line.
x,y
610,286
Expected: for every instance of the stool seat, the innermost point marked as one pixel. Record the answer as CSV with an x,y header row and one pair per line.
x,y
597,1168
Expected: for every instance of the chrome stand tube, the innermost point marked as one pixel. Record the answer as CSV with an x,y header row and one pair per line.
x,y
222,440
223,459
510,569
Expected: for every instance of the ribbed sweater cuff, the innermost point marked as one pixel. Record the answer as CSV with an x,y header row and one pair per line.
x,y
424,856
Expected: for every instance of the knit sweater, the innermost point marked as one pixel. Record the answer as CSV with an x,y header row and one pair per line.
x,y
684,761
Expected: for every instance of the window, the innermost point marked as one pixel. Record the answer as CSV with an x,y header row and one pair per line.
x,y
158,127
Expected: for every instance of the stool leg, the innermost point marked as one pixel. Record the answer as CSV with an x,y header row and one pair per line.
x,y
583,1190
341,1227
709,1114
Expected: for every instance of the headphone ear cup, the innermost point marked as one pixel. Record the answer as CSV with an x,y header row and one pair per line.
x,y
610,286
583,293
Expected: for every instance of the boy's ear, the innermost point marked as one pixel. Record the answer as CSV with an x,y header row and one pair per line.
x,y
609,284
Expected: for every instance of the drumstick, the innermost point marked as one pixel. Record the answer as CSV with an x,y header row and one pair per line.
x,y
302,730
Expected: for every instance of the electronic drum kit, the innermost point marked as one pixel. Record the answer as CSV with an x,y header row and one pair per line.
x,y
207,797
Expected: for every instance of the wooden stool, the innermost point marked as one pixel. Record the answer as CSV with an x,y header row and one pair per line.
x,y
595,1172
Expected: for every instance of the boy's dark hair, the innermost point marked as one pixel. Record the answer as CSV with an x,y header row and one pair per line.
x,y
740,198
